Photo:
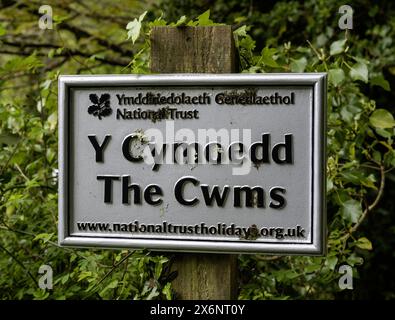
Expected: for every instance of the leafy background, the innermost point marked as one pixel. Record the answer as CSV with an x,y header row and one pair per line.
x,y
96,37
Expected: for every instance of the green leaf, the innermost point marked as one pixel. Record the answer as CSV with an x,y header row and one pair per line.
x,y
381,82
158,22
384,133
267,57
336,76
329,184
382,119
312,268
43,236
113,284
337,47
181,21
134,27
298,65
364,243
65,278
204,19
167,291
291,274
358,177
84,274
351,210
359,72
247,43
9,138
331,262
241,32
53,120
353,260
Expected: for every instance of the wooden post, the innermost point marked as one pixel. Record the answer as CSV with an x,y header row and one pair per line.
x,y
198,50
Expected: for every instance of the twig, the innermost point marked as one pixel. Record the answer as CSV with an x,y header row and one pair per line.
x,y
20,263
370,207
2,170
54,244
111,271
375,202
23,186
315,50
21,172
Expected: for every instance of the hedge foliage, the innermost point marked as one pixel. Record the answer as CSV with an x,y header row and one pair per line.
x,y
95,37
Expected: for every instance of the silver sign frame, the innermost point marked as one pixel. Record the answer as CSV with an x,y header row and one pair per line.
x,y
317,81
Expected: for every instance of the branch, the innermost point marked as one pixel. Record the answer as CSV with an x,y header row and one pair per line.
x,y
79,32
111,271
85,34
54,244
369,207
375,202
66,52
20,263
29,44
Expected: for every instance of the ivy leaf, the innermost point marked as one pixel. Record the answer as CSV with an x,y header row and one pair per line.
x,y
336,76
359,72
158,22
337,47
204,19
382,119
351,210
241,32
381,82
358,178
134,27
298,65
364,243
247,43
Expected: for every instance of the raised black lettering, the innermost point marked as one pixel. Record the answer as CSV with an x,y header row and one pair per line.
x,y
264,146
127,151
150,191
276,196
99,148
126,188
108,187
288,151
215,195
179,191
254,196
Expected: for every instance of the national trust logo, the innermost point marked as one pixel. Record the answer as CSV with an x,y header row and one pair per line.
x,y
101,106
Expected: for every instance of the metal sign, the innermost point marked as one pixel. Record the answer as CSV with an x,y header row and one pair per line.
x,y
200,163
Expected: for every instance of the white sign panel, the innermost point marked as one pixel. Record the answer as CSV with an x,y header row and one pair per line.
x,y
203,163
